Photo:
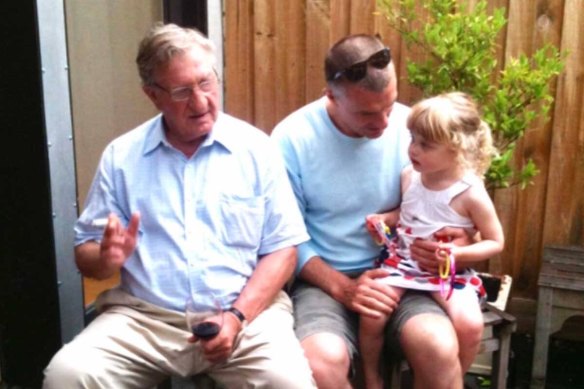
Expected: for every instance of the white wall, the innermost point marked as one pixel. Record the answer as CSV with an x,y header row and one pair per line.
x,y
107,99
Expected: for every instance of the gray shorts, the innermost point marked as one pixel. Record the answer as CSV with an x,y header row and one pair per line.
x,y
315,311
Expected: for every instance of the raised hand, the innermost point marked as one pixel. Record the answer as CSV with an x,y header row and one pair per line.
x,y
119,242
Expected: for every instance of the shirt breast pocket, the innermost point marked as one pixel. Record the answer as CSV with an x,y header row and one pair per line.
x,y
243,220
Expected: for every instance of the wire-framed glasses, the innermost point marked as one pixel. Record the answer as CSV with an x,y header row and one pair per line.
x,y
183,93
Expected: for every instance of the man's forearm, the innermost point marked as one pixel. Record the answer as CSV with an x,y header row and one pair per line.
x,y
269,277
87,258
318,273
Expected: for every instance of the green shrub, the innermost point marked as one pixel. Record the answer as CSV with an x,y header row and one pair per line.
x,y
459,50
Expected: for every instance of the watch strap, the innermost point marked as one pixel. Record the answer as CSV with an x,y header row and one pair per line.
x,y
237,313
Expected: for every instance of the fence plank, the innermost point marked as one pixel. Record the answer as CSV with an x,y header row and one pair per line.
x,y
341,14
290,52
565,205
518,208
239,59
362,16
393,40
264,65
318,32
408,94
536,145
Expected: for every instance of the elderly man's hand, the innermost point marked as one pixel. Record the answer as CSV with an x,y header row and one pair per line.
x,y
219,348
118,242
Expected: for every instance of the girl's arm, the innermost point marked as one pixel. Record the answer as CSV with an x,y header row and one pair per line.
x,y
477,204
390,218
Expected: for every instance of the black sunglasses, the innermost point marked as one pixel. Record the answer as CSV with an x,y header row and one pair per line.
x,y
357,71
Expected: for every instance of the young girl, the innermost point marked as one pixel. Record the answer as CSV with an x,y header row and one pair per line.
x,y
450,151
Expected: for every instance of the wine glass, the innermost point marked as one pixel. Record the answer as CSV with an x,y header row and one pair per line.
x,y
204,314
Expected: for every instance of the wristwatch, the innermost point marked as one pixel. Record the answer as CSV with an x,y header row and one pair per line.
x,y
237,313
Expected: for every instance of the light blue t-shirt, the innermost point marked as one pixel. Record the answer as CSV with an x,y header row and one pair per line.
x,y
339,180
204,220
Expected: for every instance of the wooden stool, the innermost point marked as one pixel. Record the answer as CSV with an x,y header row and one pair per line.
x,y
499,326
560,296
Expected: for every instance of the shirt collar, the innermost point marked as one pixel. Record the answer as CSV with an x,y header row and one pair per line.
x,y
219,134
155,135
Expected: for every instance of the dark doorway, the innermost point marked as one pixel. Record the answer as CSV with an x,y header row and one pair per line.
x,y
187,13
29,304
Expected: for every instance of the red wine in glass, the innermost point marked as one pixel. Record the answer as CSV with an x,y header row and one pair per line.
x,y
204,314
206,330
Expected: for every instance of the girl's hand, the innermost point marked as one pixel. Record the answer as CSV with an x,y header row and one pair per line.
x,y
370,222
457,236
443,252
424,251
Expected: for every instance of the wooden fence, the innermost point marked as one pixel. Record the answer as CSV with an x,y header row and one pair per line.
x,y
274,53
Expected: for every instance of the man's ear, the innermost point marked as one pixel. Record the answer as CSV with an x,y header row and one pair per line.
x,y
151,93
329,94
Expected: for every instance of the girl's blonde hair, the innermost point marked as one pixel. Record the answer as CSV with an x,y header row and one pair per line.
x,y
453,119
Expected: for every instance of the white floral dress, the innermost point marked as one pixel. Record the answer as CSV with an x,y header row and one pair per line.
x,y
424,212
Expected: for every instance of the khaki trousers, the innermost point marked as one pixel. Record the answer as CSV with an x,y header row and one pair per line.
x,y
134,344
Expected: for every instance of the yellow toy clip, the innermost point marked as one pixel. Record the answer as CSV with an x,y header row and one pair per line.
x,y
444,268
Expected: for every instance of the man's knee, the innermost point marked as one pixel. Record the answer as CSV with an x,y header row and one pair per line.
x,y
68,370
431,348
429,337
328,356
326,349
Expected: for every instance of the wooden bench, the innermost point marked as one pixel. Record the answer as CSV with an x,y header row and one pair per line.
x,y
560,296
499,326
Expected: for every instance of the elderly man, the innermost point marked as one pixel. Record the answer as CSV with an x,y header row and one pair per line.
x,y
194,200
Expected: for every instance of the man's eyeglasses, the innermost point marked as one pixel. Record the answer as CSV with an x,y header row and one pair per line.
x,y
183,93
357,71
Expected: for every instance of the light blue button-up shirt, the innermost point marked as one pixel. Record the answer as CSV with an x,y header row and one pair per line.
x,y
205,220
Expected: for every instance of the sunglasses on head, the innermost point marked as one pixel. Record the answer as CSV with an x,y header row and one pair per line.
x,y
357,71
